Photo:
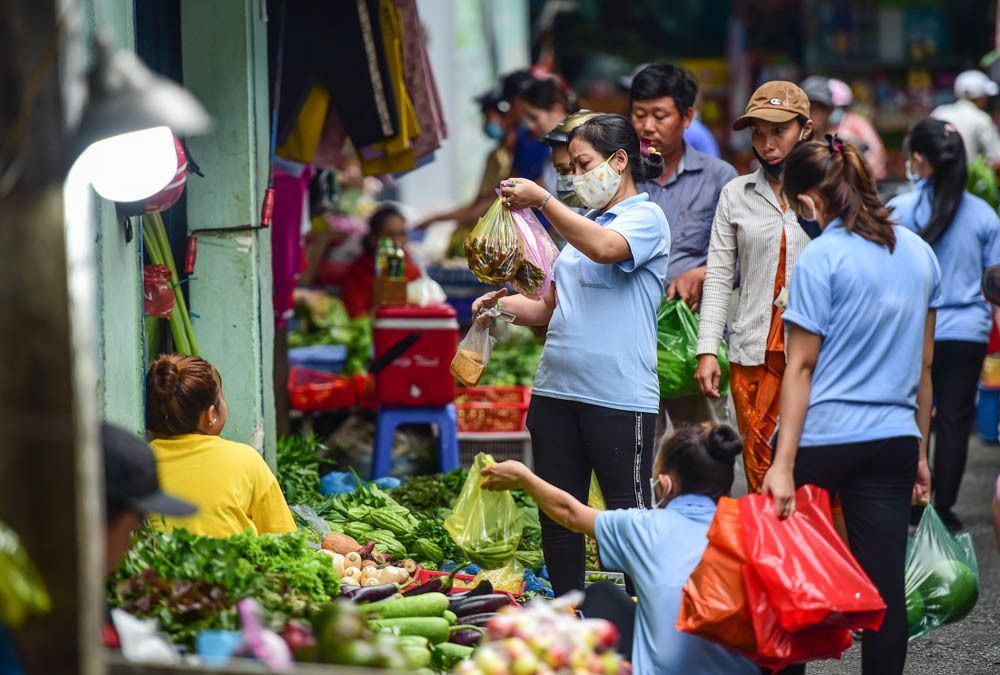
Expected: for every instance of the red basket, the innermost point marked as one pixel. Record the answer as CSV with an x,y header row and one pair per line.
x,y
462,583
492,408
316,390
365,386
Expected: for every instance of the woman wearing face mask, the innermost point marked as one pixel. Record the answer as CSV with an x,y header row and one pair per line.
x,y
755,229
658,547
965,234
856,396
596,393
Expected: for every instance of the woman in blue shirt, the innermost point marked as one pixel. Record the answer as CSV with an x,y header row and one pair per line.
x,y
658,547
596,393
856,394
965,234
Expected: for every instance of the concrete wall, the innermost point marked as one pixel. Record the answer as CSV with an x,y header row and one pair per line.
x,y
224,47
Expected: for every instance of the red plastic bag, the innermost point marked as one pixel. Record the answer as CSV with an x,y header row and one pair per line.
x,y
720,605
805,568
776,647
157,296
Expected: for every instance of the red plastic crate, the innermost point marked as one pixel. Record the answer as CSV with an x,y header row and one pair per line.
x,y
312,390
492,408
423,576
365,385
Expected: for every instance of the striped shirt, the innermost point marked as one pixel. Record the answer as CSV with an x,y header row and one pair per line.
x,y
747,229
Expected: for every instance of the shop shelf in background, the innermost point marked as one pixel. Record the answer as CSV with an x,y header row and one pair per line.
x,y
327,358
313,390
492,408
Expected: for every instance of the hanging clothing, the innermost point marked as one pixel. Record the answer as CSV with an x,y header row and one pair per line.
x,y
757,392
420,82
394,154
291,203
339,45
304,137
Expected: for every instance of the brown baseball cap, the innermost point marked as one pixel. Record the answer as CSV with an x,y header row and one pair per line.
x,y
774,101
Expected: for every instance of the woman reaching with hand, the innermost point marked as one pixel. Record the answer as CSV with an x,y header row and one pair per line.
x,y
596,393
856,395
658,547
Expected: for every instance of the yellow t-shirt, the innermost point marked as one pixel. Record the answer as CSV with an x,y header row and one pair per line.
x,y
230,483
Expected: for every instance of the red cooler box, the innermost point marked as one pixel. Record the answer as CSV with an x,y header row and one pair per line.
x,y
414,347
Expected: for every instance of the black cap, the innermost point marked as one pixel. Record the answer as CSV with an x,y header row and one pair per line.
x,y
130,475
515,83
493,100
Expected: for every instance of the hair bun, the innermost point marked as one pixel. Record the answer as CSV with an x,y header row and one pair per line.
x,y
724,443
165,376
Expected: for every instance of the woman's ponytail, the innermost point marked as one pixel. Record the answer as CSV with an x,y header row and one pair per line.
x,y
702,458
942,147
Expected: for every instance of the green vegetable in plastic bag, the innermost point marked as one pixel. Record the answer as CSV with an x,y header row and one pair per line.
x,y
676,361
485,524
22,590
942,576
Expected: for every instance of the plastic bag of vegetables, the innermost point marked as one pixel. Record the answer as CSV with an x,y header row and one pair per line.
x,y
538,255
676,360
486,525
941,577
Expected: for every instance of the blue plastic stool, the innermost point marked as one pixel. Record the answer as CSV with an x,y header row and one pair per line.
x,y
988,414
446,420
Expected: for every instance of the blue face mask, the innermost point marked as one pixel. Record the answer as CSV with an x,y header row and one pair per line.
x,y
810,225
911,175
493,130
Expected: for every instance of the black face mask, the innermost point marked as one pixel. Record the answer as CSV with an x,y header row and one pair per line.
x,y
773,169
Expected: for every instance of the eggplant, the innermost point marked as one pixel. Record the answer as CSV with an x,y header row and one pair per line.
x,y
477,620
373,593
466,637
428,587
478,604
484,588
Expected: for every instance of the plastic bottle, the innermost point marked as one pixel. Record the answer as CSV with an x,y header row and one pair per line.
x,y
385,249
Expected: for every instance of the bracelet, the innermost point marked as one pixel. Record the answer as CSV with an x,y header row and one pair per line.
x,y
499,309
545,201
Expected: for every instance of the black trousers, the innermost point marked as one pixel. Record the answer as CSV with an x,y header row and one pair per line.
x,y
875,483
954,373
568,441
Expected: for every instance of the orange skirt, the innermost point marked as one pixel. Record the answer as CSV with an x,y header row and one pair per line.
x,y
757,397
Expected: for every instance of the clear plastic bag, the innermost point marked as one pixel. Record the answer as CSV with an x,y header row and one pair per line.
x,y
538,255
473,354
485,524
492,246
511,246
942,576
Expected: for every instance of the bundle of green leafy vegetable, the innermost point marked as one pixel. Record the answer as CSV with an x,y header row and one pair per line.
x,y
324,320
192,583
298,473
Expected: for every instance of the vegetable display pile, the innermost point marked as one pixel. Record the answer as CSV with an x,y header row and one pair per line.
x,y
513,359
323,320
192,583
298,473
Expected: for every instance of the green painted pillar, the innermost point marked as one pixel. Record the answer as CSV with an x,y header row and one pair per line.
x,y
119,286
224,51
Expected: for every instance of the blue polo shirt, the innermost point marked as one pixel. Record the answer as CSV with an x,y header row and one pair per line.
x,y
601,343
870,307
688,201
969,245
659,548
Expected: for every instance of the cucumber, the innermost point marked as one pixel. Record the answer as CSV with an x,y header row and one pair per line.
x,y
427,604
450,617
416,656
434,628
446,654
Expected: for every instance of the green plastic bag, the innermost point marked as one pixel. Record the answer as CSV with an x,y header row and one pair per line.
x,y
983,181
676,361
942,576
485,524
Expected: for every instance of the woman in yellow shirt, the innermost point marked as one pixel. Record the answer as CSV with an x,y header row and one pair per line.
x,y
231,483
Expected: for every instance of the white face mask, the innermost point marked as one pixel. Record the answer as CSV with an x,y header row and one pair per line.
x,y
653,482
598,186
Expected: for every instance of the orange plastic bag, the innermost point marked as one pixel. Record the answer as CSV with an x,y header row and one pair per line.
x,y
713,602
805,568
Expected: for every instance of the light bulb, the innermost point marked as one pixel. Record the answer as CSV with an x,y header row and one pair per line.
x,y
133,166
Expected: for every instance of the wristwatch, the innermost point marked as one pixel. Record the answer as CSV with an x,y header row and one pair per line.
x,y
545,200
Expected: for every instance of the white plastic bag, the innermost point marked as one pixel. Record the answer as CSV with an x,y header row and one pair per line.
x,y
473,354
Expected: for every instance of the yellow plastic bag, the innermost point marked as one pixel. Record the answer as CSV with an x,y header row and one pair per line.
x,y
22,589
492,247
485,524
508,578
